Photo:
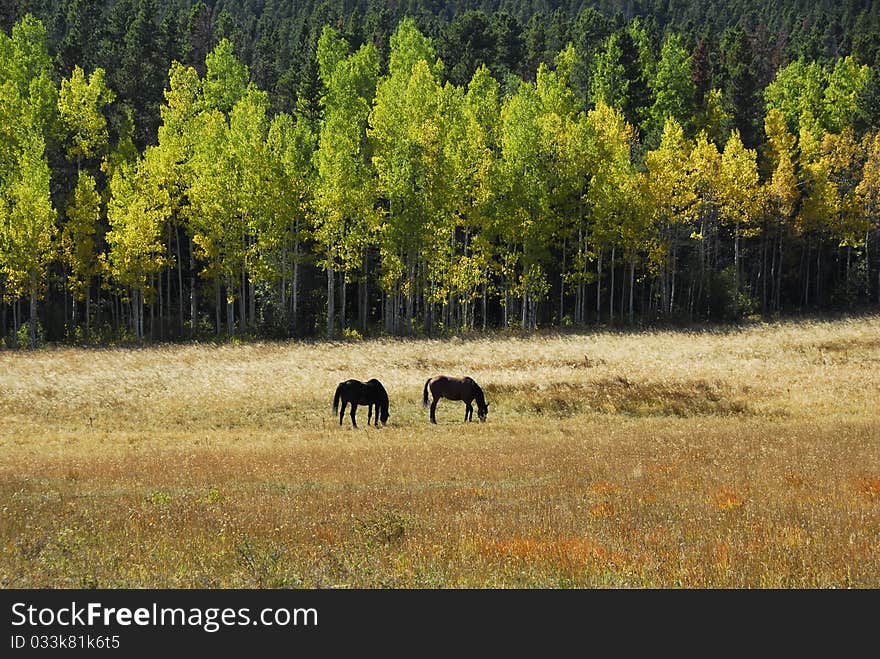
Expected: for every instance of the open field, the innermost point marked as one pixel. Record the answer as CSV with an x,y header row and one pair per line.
x,y
745,457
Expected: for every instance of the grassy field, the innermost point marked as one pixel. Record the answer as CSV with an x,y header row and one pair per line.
x,y
730,458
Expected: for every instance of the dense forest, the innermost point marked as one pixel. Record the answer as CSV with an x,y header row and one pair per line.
x,y
173,169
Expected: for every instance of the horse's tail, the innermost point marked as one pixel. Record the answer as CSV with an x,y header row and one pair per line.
x,y
337,397
425,393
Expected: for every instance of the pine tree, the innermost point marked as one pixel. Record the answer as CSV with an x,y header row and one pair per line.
x,y
742,90
674,93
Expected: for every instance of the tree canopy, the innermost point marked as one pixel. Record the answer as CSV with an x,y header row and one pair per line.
x,y
342,170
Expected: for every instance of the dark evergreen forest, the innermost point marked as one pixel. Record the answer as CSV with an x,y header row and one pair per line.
x,y
739,42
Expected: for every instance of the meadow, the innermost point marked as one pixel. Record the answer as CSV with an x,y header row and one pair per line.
x,y
732,457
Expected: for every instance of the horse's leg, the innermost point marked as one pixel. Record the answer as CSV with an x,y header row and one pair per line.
x,y
342,411
370,413
433,410
468,411
354,407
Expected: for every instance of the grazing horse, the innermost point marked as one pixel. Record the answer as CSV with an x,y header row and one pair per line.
x,y
362,393
464,389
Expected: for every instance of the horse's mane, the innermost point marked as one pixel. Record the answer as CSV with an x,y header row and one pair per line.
x,y
383,394
481,399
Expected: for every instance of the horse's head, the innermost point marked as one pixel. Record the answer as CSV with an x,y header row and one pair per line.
x,y
383,416
482,411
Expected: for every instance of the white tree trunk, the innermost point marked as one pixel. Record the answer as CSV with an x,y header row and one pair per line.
x,y
611,294
330,300
33,318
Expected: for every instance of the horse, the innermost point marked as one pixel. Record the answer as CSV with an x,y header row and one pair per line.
x,y
362,393
464,389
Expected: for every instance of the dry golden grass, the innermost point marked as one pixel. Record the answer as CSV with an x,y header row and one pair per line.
x,y
739,458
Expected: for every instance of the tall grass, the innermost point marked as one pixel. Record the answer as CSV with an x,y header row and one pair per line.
x,y
735,458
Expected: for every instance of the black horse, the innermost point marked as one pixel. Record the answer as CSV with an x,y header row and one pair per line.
x,y
362,393
464,389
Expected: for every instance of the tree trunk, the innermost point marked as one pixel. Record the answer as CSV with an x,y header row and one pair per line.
x,y
485,277
230,307
772,276
242,302
33,318
168,286
562,285
193,311
664,288
764,306
690,299
133,318
141,315
137,314
294,285
868,271
363,300
217,303
599,290
88,310
736,257
67,318
252,303
632,278
611,293
429,310
153,311
342,302
779,274
702,280
848,260
805,256
98,305
161,311
113,312
15,322
179,284
418,293
330,300
409,297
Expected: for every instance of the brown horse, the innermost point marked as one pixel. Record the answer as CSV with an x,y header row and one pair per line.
x,y
464,389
